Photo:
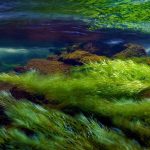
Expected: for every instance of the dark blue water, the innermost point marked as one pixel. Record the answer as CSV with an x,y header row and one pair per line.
x,y
25,35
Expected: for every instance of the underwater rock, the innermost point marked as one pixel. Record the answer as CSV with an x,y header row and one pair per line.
x,y
131,50
20,69
88,46
47,67
99,48
71,48
53,57
79,57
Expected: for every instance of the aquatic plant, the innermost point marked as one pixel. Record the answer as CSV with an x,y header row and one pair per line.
x,y
102,89
106,79
143,60
34,127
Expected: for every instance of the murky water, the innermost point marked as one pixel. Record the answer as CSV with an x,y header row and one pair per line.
x,y
25,34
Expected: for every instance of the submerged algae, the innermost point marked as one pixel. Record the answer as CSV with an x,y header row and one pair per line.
x,y
99,89
34,127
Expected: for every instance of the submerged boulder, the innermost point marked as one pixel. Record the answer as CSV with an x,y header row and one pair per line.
x,y
100,48
53,57
71,48
88,47
47,67
79,57
131,50
20,69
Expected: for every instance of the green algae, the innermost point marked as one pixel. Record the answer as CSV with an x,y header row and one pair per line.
x,y
125,14
51,130
109,90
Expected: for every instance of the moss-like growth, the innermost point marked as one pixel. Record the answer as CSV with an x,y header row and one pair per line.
x,y
47,66
80,57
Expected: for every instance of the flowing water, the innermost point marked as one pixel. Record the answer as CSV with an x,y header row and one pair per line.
x,y
27,34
